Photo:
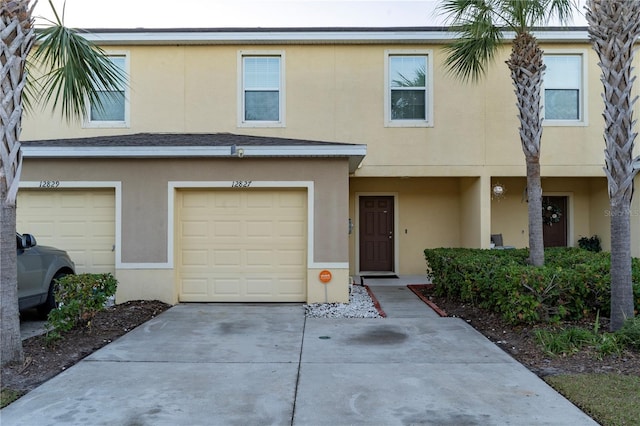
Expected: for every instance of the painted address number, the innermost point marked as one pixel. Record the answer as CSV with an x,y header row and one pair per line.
x,y
241,183
49,183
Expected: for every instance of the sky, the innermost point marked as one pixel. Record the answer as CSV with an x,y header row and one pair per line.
x,y
242,13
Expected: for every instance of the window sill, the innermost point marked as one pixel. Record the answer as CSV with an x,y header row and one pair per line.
x,y
564,123
408,124
106,125
261,124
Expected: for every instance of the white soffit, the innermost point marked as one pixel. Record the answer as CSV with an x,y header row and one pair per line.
x,y
304,36
355,153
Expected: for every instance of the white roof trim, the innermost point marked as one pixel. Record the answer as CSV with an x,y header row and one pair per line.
x,y
137,37
355,153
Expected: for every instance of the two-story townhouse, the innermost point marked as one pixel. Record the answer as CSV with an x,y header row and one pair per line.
x,y
278,164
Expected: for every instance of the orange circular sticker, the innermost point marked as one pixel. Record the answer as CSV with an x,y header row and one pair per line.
x,y
325,276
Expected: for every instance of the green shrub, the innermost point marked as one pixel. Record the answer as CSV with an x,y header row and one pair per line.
x,y
630,333
572,340
590,243
79,298
573,284
563,342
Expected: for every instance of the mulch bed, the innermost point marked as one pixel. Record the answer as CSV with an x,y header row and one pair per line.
x,y
44,361
519,341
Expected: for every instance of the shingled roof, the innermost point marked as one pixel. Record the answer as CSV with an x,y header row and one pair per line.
x,y
180,145
178,139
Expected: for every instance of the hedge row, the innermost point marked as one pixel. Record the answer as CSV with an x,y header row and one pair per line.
x,y
573,284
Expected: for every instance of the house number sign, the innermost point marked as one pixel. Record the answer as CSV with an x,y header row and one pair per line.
x,y
241,184
49,184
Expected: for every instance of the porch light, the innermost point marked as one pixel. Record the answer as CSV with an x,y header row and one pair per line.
x,y
498,190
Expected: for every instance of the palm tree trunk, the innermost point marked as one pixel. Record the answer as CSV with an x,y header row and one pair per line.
x,y
11,348
16,29
534,195
621,284
526,67
614,28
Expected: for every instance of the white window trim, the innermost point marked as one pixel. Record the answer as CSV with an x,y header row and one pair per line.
x,y
428,122
584,95
282,92
88,124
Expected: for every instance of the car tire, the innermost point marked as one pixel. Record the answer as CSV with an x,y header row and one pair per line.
x,y
50,304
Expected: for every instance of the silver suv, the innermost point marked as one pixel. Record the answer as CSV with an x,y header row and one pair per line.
x,y
38,268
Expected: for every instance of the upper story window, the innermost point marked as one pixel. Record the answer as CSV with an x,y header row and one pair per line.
x,y
408,91
262,89
114,108
564,89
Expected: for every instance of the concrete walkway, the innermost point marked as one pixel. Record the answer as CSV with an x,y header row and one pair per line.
x,y
266,364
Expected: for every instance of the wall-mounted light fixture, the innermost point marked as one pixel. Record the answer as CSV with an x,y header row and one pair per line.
x,y
498,191
237,152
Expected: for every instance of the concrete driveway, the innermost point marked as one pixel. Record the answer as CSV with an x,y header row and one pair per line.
x,y
257,364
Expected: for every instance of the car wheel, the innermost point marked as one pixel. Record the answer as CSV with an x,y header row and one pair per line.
x,y
50,304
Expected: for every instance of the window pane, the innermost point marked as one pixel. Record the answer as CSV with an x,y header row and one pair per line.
x,y
561,104
563,72
112,108
408,105
262,72
261,106
118,61
407,71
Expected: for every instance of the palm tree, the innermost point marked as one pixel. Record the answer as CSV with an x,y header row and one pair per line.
x,y
614,28
74,67
481,25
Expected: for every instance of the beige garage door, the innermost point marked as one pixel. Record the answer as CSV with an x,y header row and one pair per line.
x,y
241,245
82,222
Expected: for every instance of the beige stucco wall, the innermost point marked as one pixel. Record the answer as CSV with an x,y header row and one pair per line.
x,y
600,215
145,211
428,215
588,206
441,175
145,194
336,93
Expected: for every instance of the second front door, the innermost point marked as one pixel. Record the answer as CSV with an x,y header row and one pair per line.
x,y
376,233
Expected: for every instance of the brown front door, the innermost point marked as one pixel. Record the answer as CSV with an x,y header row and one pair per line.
x,y
554,221
376,234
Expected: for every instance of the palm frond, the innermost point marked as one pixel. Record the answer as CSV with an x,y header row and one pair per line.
x,y
480,25
562,10
76,67
417,81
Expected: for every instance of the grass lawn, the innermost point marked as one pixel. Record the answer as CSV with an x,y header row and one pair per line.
x,y
7,397
610,399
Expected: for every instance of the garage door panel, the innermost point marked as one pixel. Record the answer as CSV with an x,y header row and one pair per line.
x,y
291,286
43,230
258,200
80,221
227,228
226,286
102,229
259,287
102,259
195,258
257,248
259,228
194,229
259,258
225,200
295,258
293,229
228,258
195,286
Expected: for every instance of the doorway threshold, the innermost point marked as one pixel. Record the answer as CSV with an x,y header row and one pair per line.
x,y
378,274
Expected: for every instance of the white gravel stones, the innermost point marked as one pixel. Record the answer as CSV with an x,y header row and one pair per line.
x,y
360,306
